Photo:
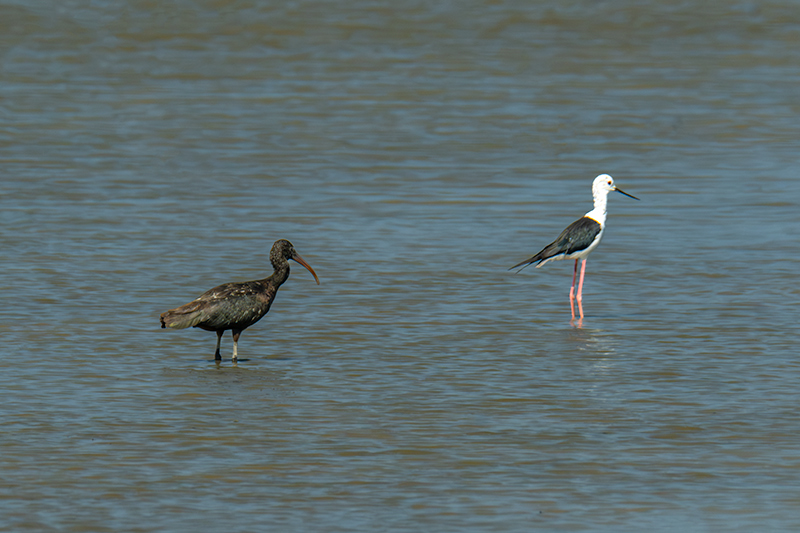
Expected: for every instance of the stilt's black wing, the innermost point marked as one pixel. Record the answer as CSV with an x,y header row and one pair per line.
x,y
576,237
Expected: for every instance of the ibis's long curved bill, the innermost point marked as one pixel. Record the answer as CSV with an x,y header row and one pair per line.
x,y
626,194
302,261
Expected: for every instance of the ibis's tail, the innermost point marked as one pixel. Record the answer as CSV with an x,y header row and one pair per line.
x,y
184,316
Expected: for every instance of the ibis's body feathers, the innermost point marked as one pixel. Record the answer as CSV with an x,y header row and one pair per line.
x,y
233,306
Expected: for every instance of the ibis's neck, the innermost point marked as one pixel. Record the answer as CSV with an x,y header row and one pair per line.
x,y
281,273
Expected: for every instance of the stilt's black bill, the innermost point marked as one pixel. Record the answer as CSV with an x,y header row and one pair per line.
x,y
626,194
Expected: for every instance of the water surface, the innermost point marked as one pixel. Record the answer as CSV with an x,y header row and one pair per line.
x,y
412,153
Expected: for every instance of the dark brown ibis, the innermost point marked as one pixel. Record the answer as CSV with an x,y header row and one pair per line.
x,y
236,306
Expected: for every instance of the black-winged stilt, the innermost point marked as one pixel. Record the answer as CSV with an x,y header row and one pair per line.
x,y
579,238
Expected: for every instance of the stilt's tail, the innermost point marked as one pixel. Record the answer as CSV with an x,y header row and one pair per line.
x,y
551,251
527,262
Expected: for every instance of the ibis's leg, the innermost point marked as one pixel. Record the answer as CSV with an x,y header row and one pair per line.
x,y
580,288
236,334
217,356
572,291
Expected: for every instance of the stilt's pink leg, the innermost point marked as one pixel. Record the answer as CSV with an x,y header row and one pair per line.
x,y
580,288
572,291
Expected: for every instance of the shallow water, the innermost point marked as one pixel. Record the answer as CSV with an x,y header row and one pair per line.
x,y
412,153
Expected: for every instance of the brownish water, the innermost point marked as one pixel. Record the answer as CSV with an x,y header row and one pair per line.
x,y
412,152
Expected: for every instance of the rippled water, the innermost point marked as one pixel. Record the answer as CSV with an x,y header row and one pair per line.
x,y
412,152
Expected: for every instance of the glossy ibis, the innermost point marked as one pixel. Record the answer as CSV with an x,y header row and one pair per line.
x,y
236,306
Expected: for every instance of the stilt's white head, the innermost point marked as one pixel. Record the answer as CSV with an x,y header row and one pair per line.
x,y
602,185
